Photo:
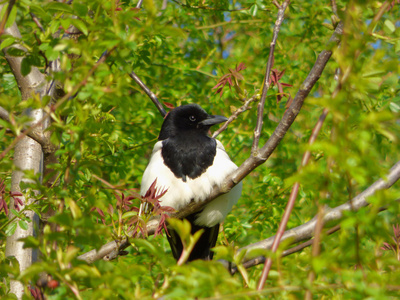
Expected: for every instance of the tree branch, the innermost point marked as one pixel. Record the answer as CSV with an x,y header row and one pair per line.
x,y
4,114
305,231
261,259
111,250
6,15
139,4
290,204
149,93
28,155
234,116
261,104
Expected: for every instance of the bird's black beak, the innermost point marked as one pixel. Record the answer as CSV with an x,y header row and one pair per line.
x,y
212,120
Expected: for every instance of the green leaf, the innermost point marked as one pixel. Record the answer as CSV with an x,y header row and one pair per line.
x,y
75,210
394,107
84,271
54,25
25,66
80,25
15,52
40,12
253,10
70,254
79,9
11,228
23,224
12,16
2,132
32,271
30,242
146,245
129,214
389,25
7,42
58,7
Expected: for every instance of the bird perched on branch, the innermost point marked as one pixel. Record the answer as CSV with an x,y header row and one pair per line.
x,y
189,164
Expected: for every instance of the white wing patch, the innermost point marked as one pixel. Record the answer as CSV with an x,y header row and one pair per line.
x,y
181,193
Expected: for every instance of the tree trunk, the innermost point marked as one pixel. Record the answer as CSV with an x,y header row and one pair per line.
x,y
28,155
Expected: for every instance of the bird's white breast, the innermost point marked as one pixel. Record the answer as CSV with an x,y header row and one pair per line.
x,y
181,193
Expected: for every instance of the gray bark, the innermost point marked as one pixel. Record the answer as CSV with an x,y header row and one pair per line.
x,y
28,155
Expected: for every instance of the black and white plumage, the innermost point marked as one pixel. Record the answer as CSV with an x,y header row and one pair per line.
x,y
189,163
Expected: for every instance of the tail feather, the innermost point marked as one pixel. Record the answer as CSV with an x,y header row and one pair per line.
x,y
202,249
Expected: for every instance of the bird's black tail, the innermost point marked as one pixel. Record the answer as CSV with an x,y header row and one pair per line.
x,y
202,248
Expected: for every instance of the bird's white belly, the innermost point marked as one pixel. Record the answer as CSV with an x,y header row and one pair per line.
x,y
181,193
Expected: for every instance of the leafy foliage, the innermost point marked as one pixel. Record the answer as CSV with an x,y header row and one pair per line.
x,y
180,52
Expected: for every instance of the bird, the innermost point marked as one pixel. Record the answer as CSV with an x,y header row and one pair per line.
x,y
188,164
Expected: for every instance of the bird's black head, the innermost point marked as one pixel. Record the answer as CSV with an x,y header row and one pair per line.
x,y
185,118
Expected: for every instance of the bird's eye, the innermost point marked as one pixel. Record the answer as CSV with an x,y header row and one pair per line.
x,y
192,118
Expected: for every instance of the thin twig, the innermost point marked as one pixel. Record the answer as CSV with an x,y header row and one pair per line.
x,y
276,3
139,4
234,116
334,7
149,93
4,114
315,247
304,231
261,259
7,14
290,204
261,104
37,22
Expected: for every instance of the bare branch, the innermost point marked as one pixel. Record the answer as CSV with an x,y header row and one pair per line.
x,y
248,263
234,116
276,3
149,93
261,259
291,202
37,22
6,15
334,7
110,250
261,104
139,4
305,231
4,114
315,247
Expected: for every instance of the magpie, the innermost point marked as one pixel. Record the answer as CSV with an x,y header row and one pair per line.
x,y
189,163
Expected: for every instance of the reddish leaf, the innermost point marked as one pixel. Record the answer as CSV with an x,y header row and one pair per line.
x,y
169,105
